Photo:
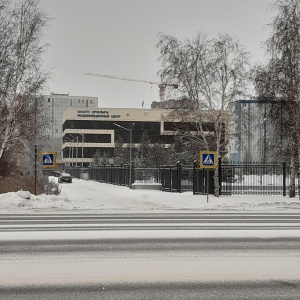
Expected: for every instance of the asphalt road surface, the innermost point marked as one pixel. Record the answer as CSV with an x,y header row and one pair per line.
x,y
157,256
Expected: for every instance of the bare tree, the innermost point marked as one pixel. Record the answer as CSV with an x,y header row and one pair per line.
x,y
279,79
21,76
211,74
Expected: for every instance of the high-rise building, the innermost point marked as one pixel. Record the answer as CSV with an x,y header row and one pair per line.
x,y
54,108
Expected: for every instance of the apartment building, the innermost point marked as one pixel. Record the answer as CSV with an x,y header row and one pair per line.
x,y
55,107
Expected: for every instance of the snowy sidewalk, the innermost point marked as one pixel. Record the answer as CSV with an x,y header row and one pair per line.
x,y
94,197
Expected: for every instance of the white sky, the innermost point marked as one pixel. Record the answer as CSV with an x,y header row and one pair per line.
x,y
118,37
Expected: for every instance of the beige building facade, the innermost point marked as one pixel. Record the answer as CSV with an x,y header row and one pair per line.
x,y
86,130
89,129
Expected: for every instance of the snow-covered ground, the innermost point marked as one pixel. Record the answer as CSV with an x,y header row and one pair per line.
x,y
93,197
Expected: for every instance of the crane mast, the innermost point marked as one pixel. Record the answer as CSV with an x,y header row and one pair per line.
x,y
162,86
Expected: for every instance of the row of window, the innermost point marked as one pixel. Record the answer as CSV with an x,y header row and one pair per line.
x,y
144,126
110,125
154,137
87,138
63,100
76,153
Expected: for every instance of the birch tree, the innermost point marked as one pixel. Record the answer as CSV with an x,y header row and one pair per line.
x,y
22,78
211,74
279,80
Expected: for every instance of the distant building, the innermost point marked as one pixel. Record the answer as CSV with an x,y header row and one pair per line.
x,y
86,130
55,106
256,137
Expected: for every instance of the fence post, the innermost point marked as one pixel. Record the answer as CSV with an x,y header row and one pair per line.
x,y
178,177
111,174
194,178
284,178
162,177
132,173
220,175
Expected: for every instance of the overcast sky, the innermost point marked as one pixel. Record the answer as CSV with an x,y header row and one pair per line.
x,y
118,37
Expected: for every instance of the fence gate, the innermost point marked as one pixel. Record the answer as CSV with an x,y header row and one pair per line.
x,y
200,181
171,178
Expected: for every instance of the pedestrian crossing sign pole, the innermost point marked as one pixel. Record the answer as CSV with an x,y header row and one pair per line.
x,y
208,160
48,159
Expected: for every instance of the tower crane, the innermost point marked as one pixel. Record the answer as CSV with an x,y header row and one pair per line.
x,y
161,85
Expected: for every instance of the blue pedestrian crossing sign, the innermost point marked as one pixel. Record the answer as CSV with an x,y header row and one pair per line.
x,y
208,159
48,159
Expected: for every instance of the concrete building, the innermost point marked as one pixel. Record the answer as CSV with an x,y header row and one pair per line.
x,y
87,130
55,106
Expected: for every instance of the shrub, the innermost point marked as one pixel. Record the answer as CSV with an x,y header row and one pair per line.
x,y
26,182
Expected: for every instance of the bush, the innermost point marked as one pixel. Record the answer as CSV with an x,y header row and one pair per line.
x,y
26,182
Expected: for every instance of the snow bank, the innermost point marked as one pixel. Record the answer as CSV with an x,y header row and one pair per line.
x,y
93,197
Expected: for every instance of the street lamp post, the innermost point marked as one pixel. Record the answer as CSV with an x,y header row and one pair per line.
x,y
130,151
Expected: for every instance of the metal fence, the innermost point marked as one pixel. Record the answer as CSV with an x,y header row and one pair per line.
x,y
254,179
234,178
203,180
146,175
118,175
170,178
179,178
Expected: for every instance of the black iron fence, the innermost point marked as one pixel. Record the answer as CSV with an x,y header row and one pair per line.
x,y
171,178
180,178
254,179
146,175
203,180
234,178
118,175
